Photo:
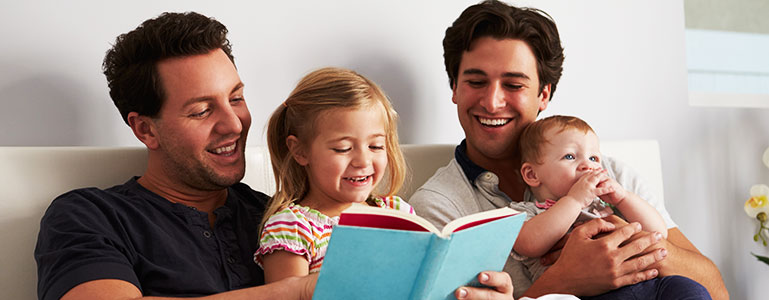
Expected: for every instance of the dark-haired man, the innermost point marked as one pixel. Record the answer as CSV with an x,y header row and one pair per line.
x,y
187,227
504,64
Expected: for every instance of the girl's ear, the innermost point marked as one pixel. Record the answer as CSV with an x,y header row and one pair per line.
x,y
529,175
297,151
144,129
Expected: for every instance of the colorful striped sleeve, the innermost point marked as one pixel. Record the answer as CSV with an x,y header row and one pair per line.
x,y
286,230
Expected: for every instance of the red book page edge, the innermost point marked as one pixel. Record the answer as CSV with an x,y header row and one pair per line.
x,y
479,222
379,221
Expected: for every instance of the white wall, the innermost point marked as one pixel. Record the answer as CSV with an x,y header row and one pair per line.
x,y
625,74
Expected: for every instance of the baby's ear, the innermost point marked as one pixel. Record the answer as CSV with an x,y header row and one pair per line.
x,y
297,151
529,175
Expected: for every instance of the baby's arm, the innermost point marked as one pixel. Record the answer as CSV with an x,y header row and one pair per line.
x,y
283,264
542,231
633,208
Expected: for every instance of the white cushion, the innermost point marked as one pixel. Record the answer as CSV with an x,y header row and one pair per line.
x,y
36,175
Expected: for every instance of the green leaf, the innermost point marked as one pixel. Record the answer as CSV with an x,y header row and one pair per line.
x,y
764,259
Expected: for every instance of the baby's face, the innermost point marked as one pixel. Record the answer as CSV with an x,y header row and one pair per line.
x,y
569,154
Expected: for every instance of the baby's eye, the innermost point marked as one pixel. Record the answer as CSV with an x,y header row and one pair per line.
x,y
568,156
341,150
594,158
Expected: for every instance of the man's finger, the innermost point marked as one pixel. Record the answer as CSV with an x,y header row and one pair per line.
x,y
592,228
636,277
499,284
638,246
622,234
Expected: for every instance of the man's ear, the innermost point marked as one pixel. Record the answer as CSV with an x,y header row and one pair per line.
x,y
297,151
454,92
145,129
529,175
544,97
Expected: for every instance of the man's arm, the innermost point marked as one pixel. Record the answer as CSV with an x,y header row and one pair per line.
x,y
684,259
110,289
590,266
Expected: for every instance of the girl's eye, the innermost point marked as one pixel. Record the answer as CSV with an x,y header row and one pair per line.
x,y
341,150
569,156
376,147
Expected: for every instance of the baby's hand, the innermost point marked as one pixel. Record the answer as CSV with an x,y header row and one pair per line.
x,y
589,186
615,192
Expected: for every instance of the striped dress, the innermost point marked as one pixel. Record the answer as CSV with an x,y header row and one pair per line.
x,y
304,231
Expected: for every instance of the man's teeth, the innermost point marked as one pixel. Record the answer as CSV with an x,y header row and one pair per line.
x,y
220,150
493,122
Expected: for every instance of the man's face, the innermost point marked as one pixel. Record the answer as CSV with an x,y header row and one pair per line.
x,y
497,95
202,127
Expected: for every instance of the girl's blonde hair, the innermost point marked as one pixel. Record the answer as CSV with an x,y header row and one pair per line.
x,y
318,92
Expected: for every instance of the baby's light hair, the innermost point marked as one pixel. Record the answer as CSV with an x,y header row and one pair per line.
x,y
315,94
533,137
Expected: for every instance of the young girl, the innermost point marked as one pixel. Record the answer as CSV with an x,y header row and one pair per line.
x,y
331,143
561,164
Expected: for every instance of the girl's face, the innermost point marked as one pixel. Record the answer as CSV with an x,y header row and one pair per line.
x,y
346,159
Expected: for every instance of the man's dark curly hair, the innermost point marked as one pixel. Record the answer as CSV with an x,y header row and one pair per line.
x,y
501,21
131,64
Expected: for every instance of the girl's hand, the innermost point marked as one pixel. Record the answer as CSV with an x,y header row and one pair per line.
x,y
590,186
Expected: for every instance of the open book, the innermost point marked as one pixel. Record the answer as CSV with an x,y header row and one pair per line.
x,y
377,253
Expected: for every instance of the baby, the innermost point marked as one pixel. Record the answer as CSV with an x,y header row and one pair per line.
x,y
561,164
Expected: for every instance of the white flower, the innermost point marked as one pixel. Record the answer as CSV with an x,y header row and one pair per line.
x,y
758,200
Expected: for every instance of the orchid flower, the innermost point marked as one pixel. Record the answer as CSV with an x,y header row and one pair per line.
x,y
758,207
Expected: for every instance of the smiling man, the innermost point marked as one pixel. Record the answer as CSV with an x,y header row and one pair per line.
x,y
504,64
187,227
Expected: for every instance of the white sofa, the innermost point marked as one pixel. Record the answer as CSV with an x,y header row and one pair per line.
x,y
33,176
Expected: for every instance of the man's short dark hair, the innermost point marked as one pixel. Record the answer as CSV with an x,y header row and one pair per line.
x,y
501,21
131,64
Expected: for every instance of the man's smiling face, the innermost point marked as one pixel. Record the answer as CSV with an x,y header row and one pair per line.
x,y
497,96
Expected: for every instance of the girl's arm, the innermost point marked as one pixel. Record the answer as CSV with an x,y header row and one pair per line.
x,y
283,264
635,209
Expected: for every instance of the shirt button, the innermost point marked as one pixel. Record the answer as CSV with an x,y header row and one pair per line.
x,y
231,259
207,234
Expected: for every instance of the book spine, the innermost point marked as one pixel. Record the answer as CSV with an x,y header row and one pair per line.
x,y
430,269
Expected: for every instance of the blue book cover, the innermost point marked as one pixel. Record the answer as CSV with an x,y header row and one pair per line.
x,y
378,253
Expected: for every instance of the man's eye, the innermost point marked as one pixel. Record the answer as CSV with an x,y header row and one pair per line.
x,y
569,156
476,83
237,99
341,150
200,114
514,86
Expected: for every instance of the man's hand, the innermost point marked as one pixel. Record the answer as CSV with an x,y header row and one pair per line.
x,y
499,284
590,265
